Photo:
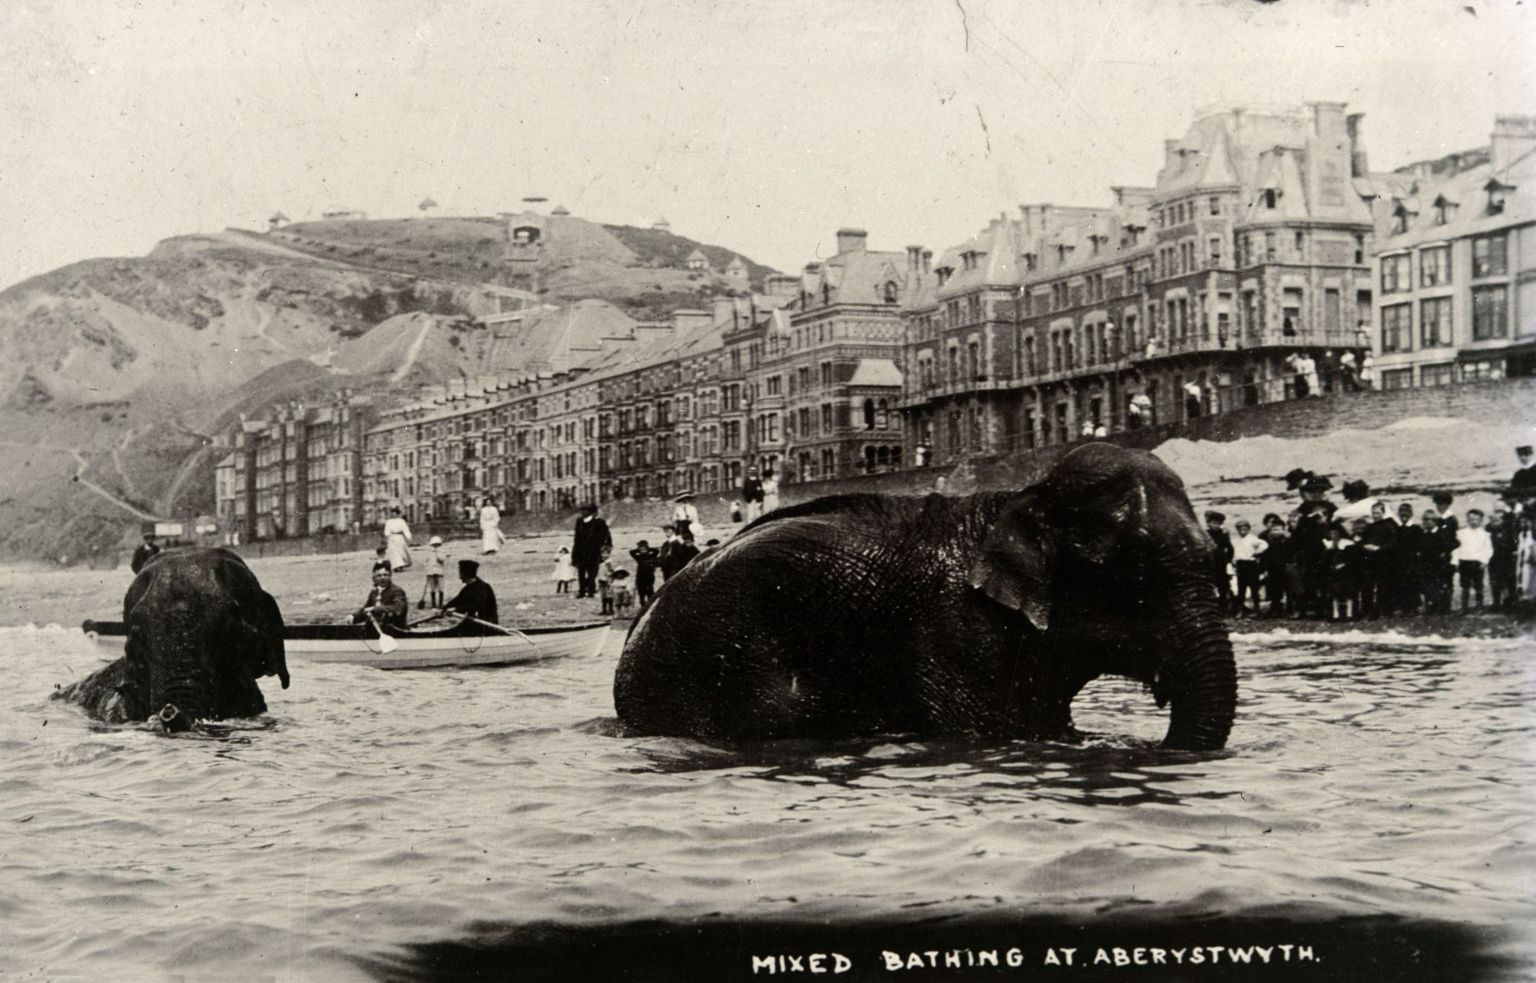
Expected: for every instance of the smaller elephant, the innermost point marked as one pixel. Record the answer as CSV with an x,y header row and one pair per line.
x,y
200,632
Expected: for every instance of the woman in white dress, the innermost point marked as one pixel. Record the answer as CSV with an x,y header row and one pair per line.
x,y
490,527
770,492
397,541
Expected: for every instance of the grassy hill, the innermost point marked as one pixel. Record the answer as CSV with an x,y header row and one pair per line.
x,y
117,374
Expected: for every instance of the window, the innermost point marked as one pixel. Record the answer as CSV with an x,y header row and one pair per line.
x,y
826,373
1439,374
890,291
1215,204
1486,368
1434,266
1397,379
1435,322
1271,198
1397,328
1290,311
826,418
973,351
1215,250
1489,257
1359,249
1490,313
1396,273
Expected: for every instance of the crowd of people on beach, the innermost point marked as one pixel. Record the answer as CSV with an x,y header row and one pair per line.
x,y
1367,559
1362,558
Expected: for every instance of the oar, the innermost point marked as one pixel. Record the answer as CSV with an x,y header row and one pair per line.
x,y
387,643
501,628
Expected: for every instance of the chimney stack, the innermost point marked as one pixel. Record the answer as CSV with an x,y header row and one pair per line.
x,y
851,240
1513,137
914,259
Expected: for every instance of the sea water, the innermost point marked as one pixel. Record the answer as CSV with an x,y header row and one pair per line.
x,y
373,814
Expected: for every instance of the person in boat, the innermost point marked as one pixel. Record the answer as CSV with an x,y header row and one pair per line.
x,y
475,599
386,603
148,550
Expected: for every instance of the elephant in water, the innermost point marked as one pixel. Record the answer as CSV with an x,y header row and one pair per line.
x,y
855,615
200,632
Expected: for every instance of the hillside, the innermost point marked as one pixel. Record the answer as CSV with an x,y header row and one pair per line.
x,y
117,375
643,272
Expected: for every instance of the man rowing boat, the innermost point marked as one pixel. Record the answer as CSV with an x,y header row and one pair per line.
x,y
476,599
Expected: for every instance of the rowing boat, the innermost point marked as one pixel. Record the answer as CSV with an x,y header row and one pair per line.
x,y
460,644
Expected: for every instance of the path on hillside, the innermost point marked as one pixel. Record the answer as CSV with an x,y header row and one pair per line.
x,y
414,351
81,464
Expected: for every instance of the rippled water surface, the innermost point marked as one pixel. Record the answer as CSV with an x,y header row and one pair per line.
x,y
374,811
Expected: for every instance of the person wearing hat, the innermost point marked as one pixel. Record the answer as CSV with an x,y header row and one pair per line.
x,y
587,544
1523,482
386,603
1214,528
475,599
752,494
147,550
491,537
437,568
675,553
685,517
1314,516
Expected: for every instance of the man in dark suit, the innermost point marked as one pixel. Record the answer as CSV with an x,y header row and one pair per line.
x,y
386,603
147,550
587,545
475,599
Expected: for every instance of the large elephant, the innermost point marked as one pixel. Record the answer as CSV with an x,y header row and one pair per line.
x,y
862,614
200,632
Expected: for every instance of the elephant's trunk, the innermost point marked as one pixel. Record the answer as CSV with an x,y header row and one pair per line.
x,y
1199,676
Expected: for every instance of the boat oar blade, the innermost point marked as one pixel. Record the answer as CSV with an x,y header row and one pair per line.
x,y
387,644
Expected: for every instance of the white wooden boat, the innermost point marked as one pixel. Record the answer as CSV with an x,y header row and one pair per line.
x,y
460,644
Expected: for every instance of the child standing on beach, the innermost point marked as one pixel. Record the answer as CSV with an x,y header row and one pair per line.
x,y
564,572
1474,548
436,564
605,572
1246,549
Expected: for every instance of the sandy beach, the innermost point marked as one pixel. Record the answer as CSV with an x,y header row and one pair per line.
x,y
315,589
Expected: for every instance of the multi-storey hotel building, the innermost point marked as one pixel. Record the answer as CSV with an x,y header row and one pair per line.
x,y
1254,244
1456,264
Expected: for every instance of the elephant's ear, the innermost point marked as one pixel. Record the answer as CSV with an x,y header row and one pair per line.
x,y
267,655
1014,568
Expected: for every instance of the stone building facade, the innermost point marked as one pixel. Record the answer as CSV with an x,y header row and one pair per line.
x,y
295,474
1252,245
1456,269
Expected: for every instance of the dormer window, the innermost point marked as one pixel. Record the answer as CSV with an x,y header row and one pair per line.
x,y
1030,260
1400,216
890,291
1098,241
1496,191
1271,198
943,273
1444,209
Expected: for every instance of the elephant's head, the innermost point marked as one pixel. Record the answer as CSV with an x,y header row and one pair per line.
x,y
1106,558
200,632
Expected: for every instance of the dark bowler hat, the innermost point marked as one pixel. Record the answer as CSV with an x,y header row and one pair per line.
x,y
468,568
1295,477
1523,449
589,507
1316,482
1214,516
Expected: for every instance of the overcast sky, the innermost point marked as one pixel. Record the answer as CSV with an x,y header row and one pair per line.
x,y
755,125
